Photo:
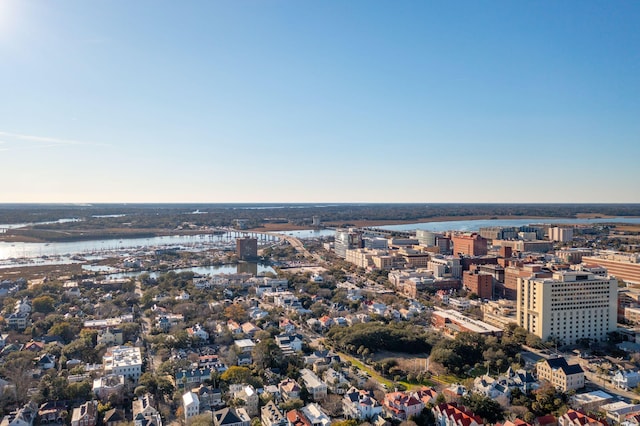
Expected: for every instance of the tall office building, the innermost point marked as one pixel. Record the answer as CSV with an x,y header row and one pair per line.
x,y
570,306
247,248
346,239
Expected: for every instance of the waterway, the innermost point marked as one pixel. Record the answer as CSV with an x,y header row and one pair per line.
x,y
475,225
199,242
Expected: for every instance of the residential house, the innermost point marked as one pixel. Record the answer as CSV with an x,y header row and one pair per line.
x,y
289,343
578,418
315,415
560,374
209,397
18,320
451,414
426,395
234,327
52,412
198,332
144,413
626,379
231,417
46,361
289,389
249,396
360,404
249,329
192,377
111,384
335,380
402,405
286,325
297,418
316,387
114,417
85,415
245,345
455,391
270,415
183,296
190,405
110,337
34,346
25,416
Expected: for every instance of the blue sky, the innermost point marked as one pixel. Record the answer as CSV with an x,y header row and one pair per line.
x,y
324,101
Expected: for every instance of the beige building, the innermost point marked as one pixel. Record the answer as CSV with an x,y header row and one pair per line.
x,y
569,306
560,374
625,266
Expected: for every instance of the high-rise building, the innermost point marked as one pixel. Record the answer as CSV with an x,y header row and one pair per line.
x,y
346,239
562,235
469,244
570,306
247,248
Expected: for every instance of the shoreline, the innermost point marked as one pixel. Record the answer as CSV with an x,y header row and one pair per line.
x,y
119,233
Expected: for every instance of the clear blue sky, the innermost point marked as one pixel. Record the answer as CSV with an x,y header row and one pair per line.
x,y
333,101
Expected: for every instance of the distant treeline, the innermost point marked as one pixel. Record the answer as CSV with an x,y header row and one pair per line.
x,y
173,215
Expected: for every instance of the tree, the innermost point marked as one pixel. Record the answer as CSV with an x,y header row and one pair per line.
x,y
487,408
235,312
236,375
267,353
43,304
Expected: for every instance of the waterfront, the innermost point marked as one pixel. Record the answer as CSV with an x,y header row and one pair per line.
x,y
199,242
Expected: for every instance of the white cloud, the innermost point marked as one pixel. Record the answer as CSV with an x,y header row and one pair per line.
x,y
15,141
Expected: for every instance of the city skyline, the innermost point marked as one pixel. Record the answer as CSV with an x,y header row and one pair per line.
x,y
294,102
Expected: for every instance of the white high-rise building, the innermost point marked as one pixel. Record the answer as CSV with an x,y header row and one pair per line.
x,y
562,235
570,306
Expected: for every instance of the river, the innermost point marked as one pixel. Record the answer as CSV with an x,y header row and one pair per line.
x,y
199,242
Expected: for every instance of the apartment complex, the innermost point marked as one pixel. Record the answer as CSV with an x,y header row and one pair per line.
x,y
569,306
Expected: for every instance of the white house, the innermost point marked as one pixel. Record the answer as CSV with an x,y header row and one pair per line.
x,y
190,405
316,387
198,331
626,379
360,404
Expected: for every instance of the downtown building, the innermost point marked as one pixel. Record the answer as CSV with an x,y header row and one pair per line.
x,y
624,266
346,239
569,306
